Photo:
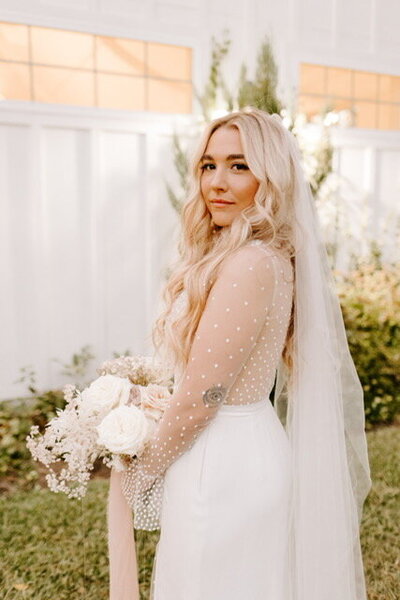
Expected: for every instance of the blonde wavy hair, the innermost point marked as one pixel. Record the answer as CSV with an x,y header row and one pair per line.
x,y
203,246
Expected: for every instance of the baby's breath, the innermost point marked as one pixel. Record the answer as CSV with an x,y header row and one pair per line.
x,y
71,437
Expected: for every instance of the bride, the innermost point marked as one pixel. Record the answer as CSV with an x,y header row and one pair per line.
x,y
256,497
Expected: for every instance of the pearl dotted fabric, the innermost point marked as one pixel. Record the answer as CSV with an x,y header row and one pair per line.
x,y
233,360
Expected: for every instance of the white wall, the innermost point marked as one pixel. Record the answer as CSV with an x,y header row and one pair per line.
x,y
360,34
363,195
85,234
86,226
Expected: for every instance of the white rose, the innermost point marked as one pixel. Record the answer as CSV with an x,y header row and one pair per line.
x,y
124,430
154,400
104,394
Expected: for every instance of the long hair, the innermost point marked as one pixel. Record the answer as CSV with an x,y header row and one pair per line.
x,y
203,246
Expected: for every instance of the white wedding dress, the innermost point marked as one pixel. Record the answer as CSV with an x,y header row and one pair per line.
x,y
216,479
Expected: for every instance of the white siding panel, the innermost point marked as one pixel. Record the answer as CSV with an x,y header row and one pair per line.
x,y
387,219
17,323
66,241
354,24
122,239
387,28
316,22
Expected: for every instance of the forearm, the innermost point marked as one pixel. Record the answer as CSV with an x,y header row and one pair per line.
x,y
177,431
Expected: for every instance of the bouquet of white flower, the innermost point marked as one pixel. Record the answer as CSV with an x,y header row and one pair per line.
x,y
112,419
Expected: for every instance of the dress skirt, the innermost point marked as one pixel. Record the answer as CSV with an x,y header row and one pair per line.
x,y
225,516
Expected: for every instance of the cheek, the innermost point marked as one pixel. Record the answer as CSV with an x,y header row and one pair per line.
x,y
203,186
248,189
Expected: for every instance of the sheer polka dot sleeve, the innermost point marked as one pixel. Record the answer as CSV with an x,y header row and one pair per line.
x,y
236,309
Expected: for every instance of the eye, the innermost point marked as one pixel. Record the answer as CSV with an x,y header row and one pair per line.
x,y
241,166
205,165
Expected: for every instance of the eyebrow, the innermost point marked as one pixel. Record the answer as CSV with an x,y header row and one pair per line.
x,y
229,157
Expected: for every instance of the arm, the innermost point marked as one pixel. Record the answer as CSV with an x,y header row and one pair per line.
x,y
234,314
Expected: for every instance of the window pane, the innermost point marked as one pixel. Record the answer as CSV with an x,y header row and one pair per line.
x,y
389,88
312,79
365,85
120,91
366,114
312,105
169,61
389,116
120,55
62,48
14,82
339,82
66,86
341,104
169,96
14,42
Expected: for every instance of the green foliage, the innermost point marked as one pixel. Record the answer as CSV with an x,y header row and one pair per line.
x,y
370,300
18,415
28,376
78,365
14,428
208,98
182,167
323,157
262,92
16,419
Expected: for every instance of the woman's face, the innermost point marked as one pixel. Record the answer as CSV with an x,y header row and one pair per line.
x,y
226,176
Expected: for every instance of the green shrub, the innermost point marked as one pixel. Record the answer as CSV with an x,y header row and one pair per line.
x,y
16,462
370,300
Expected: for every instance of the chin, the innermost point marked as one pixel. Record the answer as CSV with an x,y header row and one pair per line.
x,y
222,221
222,218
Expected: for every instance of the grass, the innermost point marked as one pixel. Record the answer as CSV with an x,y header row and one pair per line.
x,y
381,516
53,548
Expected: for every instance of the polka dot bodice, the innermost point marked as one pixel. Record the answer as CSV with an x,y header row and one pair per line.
x,y
233,360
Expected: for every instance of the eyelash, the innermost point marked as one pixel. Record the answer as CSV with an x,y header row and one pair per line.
x,y
241,165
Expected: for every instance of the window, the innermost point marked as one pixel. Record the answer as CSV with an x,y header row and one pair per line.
x,y
372,98
43,64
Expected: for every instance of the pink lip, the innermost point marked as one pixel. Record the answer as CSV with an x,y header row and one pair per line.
x,y
220,202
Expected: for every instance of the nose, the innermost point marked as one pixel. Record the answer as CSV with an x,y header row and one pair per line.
x,y
218,179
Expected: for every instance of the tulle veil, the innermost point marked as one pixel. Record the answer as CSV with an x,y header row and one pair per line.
x,y
320,401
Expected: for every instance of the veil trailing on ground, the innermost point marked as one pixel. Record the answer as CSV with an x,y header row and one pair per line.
x,y
320,402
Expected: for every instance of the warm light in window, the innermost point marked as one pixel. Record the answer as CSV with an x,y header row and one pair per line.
x,y
388,116
389,88
14,42
169,96
312,79
365,114
54,65
65,86
365,85
339,82
14,82
117,55
172,62
62,48
312,105
119,91
340,104
372,98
